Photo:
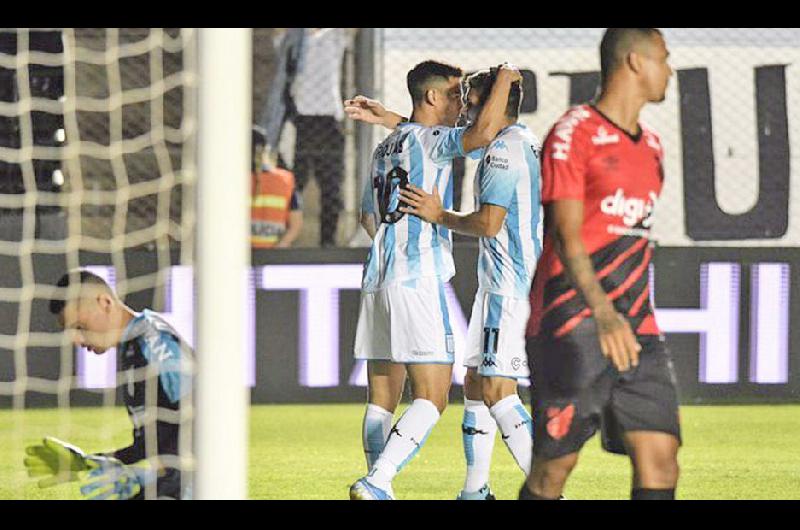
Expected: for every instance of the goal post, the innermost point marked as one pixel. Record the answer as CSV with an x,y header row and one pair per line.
x,y
222,261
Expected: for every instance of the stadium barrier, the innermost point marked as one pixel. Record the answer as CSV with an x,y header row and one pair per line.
x,y
727,314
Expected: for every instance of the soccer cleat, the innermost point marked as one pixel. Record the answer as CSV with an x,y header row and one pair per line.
x,y
362,490
483,494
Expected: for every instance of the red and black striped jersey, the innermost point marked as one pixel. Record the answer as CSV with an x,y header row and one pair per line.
x,y
618,177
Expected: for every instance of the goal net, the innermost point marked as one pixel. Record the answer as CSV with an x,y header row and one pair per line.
x,y
98,170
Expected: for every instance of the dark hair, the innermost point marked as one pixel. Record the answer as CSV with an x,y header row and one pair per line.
x,y
84,277
616,44
483,81
420,77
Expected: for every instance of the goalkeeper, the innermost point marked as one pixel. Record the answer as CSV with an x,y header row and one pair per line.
x,y
150,358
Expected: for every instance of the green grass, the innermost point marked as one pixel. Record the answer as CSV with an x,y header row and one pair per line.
x,y
314,452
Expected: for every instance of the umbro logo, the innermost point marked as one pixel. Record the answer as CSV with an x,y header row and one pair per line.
x,y
501,145
603,138
472,431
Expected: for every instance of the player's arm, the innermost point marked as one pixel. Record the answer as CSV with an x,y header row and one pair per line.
x,y
368,223
367,218
617,341
493,114
362,108
486,222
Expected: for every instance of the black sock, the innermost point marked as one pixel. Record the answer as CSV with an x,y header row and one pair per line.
x,y
527,495
645,494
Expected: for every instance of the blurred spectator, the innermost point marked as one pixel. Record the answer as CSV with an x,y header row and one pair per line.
x,y
278,107
306,88
276,208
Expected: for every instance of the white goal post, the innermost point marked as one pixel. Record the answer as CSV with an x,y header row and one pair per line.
x,y
222,261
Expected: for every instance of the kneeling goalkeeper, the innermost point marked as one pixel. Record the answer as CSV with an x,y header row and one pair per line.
x,y
155,365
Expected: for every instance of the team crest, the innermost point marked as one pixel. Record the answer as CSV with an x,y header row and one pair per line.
x,y
559,421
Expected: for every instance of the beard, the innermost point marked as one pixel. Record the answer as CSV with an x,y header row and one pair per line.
x,y
465,119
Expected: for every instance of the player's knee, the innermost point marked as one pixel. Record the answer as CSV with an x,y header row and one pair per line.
x,y
382,399
659,471
472,385
495,389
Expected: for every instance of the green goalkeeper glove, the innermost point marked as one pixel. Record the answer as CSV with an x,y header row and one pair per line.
x,y
115,481
58,462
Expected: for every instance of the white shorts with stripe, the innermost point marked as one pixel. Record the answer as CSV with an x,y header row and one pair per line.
x,y
406,322
496,335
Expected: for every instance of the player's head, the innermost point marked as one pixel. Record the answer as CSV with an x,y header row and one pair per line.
x,y
638,54
258,144
479,86
91,316
436,87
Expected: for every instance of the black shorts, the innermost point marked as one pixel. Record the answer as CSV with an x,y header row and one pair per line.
x,y
575,390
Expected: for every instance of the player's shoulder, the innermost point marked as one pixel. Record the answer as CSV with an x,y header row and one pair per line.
x,y
577,118
154,327
429,134
651,137
517,137
576,126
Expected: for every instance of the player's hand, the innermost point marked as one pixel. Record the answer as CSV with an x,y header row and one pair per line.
x,y
426,206
509,71
57,461
115,481
617,341
362,108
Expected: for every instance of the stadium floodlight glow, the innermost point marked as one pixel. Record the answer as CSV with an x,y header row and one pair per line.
x,y
769,323
319,314
717,322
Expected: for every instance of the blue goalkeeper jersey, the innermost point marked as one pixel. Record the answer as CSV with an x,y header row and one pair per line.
x,y
509,175
406,247
152,354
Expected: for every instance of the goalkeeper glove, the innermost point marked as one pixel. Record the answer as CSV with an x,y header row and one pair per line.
x,y
58,462
114,480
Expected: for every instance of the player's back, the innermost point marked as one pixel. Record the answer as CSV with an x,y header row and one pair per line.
x,y
508,175
405,247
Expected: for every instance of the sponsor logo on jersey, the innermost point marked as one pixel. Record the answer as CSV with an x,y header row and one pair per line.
x,y
631,210
559,421
497,162
564,129
420,353
603,138
500,144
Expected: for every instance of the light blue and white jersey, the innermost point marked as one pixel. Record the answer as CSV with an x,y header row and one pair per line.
x,y
509,175
406,247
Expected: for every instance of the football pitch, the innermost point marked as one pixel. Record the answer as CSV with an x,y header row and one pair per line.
x,y
314,452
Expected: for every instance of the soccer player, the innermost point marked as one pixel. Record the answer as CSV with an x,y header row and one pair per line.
x,y
150,354
596,354
508,221
403,325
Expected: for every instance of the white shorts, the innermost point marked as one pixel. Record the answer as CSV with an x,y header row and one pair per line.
x,y
496,335
406,322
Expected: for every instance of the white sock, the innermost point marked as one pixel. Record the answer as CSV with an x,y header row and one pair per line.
x,y
405,440
516,427
374,432
478,429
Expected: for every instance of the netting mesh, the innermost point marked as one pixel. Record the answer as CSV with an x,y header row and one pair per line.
x,y
728,123
97,133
